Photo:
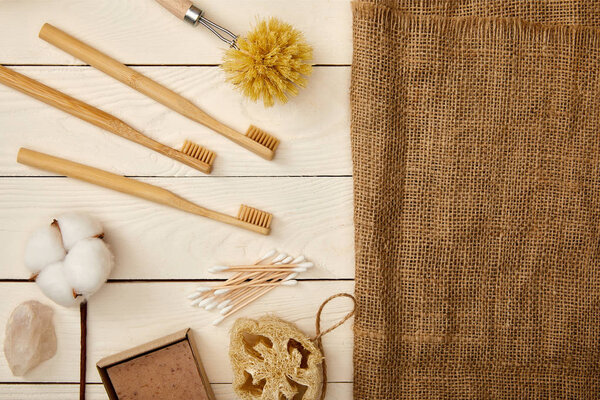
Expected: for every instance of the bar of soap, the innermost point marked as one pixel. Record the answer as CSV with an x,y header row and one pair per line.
x,y
167,373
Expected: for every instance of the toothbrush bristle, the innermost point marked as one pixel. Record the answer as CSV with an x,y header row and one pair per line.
x,y
255,216
199,152
262,137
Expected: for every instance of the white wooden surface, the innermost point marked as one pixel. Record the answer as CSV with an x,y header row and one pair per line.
x,y
161,252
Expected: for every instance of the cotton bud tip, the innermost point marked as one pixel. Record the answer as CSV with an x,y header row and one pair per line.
x,y
287,260
298,259
223,304
221,291
202,289
217,268
291,282
290,276
195,302
218,321
194,296
307,264
204,302
211,305
226,310
298,269
268,254
280,257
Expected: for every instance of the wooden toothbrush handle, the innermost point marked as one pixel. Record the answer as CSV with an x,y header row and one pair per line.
x,y
147,86
124,185
176,7
94,175
92,115
122,73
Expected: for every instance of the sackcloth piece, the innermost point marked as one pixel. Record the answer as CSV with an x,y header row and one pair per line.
x,y
476,156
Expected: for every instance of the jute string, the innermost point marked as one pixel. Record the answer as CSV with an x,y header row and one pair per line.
x,y
319,335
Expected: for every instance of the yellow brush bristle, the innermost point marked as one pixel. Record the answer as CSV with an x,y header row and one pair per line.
x,y
262,137
201,153
271,63
254,216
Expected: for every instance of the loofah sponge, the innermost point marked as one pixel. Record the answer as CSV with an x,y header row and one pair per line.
x,y
273,360
271,63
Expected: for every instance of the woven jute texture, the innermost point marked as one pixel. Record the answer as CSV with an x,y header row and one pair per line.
x,y
476,152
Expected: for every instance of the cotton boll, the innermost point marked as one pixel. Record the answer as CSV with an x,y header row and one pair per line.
x,y
88,265
52,281
77,226
44,247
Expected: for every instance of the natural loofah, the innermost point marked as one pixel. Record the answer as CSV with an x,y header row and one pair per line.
x,y
273,360
271,63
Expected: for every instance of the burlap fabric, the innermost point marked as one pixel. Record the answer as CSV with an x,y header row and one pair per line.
x,y
476,151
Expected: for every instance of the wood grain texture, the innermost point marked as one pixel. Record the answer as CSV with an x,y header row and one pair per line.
x,y
143,32
223,391
123,315
176,7
312,216
64,366
313,128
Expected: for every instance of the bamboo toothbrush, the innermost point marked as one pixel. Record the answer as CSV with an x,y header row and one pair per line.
x,y
248,218
192,155
255,139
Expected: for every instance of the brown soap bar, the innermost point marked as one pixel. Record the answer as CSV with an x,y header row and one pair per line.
x,y
167,373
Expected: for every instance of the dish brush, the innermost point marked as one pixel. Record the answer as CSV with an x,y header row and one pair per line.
x,y
270,63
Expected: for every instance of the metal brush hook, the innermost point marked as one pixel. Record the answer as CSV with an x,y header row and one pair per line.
x,y
195,16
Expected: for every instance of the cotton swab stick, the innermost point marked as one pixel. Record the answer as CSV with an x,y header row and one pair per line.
x,y
249,282
236,300
243,304
247,268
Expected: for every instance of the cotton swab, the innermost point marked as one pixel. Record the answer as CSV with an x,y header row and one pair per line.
x,y
249,282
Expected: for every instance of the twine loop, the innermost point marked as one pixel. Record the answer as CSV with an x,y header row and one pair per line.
x,y
319,335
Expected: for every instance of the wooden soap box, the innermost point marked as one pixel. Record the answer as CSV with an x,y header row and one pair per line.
x,y
185,335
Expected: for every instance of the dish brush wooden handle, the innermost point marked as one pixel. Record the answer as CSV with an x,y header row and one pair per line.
x,y
92,115
150,88
176,7
126,185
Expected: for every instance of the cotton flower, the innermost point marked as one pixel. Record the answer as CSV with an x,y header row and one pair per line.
x,y
68,259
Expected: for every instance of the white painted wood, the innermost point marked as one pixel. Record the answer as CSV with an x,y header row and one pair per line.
x,y
312,216
142,32
335,391
123,315
313,127
64,366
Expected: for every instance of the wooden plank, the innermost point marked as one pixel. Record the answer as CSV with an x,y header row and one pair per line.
x,y
335,391
313,128
312,216
123,315
64,366
142,32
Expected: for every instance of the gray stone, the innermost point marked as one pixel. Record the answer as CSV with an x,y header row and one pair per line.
x,y
30,337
